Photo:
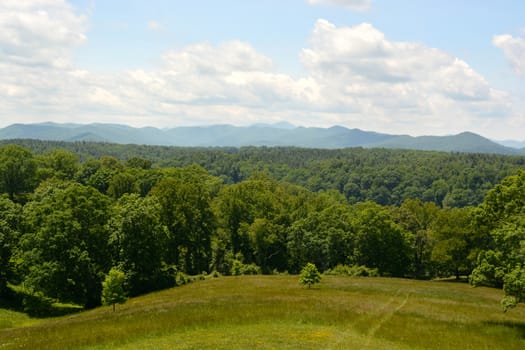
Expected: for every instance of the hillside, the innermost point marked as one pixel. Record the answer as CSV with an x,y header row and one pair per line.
x,y
465,142
264,312
256,135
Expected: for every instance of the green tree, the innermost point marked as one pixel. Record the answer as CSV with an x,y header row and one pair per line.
x,y
324,237
61,164
309,275
419,220
64,250
105,170
139,163
379,241
184,199
113,288
138,241
454,250
502,217
268,242
122,183
10,216
514,287
17,170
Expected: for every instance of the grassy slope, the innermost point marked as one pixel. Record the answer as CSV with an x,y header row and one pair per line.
x,y
265,312
10,319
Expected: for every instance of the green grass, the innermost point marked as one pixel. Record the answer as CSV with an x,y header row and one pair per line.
x,y
12,319
274,312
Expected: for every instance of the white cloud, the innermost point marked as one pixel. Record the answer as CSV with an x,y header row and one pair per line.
x,y
39,32
354,76
354,5
513,49
36,42
382,81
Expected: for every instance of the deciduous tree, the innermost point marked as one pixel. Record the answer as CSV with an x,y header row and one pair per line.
x,y
113,288
309,275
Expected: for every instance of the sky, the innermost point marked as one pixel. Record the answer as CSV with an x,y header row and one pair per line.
x,y
429,67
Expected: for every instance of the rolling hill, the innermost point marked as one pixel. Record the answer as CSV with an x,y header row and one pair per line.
x,y
281,134
274,312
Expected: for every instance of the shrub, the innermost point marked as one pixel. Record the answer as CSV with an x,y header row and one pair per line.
x,y
353,271
238,268
309,275
250,269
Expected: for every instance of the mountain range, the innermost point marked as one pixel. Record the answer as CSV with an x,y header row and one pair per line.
x,y
280,134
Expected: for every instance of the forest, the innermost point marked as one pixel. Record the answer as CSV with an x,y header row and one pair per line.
x,y
71,212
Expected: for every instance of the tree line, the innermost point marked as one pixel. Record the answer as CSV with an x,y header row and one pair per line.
x,y
384,176
65,224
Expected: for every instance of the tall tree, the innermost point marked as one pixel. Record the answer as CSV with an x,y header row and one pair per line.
x,y
502,217
453,251
10,216
419,220
184,198
61,164
17,170
64,251
138,241
380,243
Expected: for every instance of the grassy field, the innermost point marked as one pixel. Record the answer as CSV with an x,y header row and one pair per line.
x,y
274,312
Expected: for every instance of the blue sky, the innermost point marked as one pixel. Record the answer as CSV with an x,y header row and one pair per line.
x,y
411,67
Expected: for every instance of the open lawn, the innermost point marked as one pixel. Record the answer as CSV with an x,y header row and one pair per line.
x,y
275,312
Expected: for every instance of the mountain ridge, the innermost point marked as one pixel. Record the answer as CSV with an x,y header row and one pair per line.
x,y
278,134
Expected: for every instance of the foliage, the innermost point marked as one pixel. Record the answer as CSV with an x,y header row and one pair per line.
x,y
514,287
63,252
17,170
386,176
353,271
238,268
309,275
502,218
138,242
380,243
419,220
113,288
10,217
454,242
184,199
162,215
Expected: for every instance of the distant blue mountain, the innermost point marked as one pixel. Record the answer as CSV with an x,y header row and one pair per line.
x,y
512,143
279,134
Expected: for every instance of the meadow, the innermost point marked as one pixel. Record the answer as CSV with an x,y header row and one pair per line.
x,y
275,312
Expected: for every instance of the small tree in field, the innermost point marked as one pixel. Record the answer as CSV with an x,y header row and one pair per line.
x,y
309,275
113,288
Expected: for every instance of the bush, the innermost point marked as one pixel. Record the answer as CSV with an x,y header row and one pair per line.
x,y
238,268
39,305
250,269
213,274
309,275
181,278
353,271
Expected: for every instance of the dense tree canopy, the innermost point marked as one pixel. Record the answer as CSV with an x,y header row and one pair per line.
x,y
64,249
9,234
502,218
17,170
138,242
65,224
